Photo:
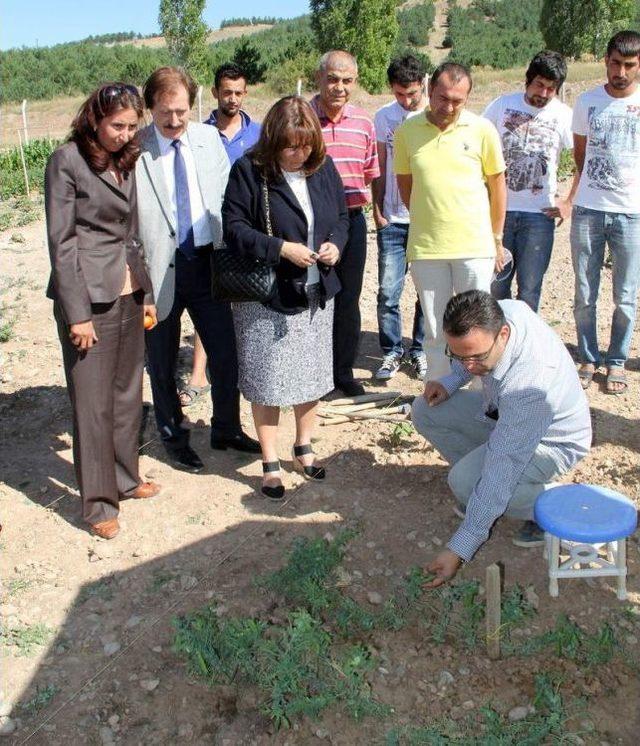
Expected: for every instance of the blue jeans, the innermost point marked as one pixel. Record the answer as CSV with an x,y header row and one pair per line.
x,y
529,237
591,230
392,268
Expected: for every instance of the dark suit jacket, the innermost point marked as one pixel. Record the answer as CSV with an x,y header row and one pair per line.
x,y
91,227
244,226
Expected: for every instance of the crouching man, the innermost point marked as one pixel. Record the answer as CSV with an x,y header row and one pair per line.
x,y
529,424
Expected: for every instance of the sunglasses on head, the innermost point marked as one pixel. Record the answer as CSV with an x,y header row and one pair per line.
x,y
110,92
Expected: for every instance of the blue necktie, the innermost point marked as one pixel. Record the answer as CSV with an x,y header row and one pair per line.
x,y
186,243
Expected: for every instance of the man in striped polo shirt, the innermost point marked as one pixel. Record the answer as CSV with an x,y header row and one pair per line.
x,y
350,139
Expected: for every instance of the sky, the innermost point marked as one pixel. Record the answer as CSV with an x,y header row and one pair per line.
x,y
33,23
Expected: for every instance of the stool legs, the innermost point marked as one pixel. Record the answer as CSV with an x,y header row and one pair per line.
x,y
615,563
553,551
621,564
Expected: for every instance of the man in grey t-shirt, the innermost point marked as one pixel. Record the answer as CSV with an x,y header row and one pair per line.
x,y
406,79
508,442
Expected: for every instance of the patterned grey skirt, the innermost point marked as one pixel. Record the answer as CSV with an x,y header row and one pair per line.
x,y
284,360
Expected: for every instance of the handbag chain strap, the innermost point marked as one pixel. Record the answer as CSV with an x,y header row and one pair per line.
x,y
267,211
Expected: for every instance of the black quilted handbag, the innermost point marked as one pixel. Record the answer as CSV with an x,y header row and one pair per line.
x,y
240,279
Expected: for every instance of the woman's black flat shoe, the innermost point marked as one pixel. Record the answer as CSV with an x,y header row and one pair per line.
x,y
273,493
310,472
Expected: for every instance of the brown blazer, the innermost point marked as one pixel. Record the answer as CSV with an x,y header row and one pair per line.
x,y
92,228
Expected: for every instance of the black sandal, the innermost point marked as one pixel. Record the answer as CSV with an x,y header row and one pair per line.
x,y
310,472
273,493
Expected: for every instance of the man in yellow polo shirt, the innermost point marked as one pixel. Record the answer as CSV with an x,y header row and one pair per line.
x,y
450,172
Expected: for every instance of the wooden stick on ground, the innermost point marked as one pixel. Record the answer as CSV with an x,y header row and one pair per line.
x,y
363,398
402,409
493,589
383,404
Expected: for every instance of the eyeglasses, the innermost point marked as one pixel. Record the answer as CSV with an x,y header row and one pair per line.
x,y
472,358
110,92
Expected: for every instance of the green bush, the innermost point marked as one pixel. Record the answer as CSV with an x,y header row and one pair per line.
x,y
36,155
283,79
416,24
496,33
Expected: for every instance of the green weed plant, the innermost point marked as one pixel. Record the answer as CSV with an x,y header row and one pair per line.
x,y
24,638
545,724
318,655
40,700
570,642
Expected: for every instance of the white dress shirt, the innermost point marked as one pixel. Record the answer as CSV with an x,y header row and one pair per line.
x,y
199,217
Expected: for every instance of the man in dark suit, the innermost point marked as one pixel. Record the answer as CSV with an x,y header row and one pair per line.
x,y
181,178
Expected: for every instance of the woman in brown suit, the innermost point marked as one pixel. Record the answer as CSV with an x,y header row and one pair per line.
x,y
101,292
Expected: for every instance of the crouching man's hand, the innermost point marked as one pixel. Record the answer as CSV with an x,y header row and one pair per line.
x,y
435,393
444,566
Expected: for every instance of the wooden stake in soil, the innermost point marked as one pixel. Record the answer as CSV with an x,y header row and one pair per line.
x,y
493,611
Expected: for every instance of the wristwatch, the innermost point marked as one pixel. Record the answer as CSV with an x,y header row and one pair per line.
x,y
498,236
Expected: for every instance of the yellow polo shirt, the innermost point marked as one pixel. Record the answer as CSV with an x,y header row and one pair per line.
x,y
449,210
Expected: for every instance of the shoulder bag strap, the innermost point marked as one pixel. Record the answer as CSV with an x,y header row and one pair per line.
x,y
267,211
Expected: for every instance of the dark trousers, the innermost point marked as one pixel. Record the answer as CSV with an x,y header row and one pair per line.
x,y
105,388
346,319
214,324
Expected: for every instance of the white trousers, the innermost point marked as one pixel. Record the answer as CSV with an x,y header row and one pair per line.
x,y
436,280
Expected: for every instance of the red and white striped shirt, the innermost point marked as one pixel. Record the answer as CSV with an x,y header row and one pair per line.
x,y
351,143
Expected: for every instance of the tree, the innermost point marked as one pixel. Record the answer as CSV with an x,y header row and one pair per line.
x,y
185,33
575,27
365,28
247,58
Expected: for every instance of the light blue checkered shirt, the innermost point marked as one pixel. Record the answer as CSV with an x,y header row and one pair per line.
x,y
540,403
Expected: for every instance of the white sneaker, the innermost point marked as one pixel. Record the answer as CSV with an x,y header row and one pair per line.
x,y
419,365
389,367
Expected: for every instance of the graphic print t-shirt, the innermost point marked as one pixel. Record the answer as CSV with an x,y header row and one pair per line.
x,y
532,140
386,121
610,178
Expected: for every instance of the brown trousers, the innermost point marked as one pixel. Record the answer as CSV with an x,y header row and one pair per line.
x,y
105,388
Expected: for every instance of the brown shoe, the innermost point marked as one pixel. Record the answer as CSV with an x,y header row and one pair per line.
x,y
105,529
144,490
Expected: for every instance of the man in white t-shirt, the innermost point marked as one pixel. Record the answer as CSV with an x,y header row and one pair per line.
x,y
406,79
534,127
606,136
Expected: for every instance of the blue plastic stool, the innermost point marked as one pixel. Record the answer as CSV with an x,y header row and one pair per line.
x,y
590,524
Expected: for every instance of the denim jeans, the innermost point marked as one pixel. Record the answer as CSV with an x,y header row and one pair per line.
x,y
591,231
529,237
392,268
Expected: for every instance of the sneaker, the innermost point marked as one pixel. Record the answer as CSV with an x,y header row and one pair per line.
x,y
389,367
529,535
419,365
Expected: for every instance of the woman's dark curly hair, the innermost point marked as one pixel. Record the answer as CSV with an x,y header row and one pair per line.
x,y
103,102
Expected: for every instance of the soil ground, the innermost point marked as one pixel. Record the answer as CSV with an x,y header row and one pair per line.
x,y
107,607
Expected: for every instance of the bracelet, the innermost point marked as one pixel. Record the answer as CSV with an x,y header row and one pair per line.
x,y
498,236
